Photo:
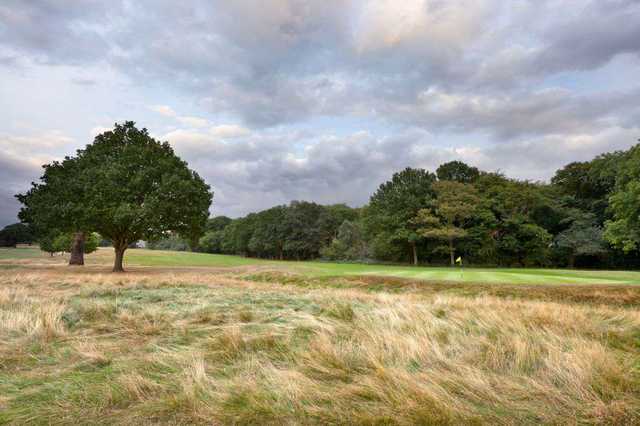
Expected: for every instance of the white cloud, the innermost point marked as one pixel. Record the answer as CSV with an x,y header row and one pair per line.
x,y
95,131
193,121
229,131
165,110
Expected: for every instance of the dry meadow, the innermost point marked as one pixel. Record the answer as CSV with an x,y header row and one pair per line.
x,y
251,345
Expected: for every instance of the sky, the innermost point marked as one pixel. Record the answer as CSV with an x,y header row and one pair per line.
x,y
279,100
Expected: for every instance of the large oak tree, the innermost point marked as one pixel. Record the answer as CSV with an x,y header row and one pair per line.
x,y
128,187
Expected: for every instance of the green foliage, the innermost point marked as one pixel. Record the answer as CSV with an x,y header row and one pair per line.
x,y
211,241
623,230
16,233
217,223
485,217
454,205
172,242
61,243
457,171
393,206
269,234
58,201
125,185
136,188
582,238
47,245
348,245
521,243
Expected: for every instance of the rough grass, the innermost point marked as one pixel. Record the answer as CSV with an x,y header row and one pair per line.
x,y
80,346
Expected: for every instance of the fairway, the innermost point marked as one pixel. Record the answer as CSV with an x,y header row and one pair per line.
x,y
159,258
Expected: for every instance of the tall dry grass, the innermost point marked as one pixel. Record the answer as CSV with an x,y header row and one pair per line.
x,y
186,347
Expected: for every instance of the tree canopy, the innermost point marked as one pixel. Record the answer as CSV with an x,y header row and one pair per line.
x,y
394,205
125,185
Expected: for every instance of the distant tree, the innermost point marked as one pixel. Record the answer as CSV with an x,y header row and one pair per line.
x,y
591,183
331,218
457,171
217,223
454,204
237,235
303,235
521,242
582,238
393,206
125,185
349,244
16,233
211,241
269,233
623,230
171,242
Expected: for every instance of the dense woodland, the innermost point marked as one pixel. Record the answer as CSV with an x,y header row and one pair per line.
x,y
584,218
587,216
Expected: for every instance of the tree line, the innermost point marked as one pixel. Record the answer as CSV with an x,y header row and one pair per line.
x,y
126,186
587,216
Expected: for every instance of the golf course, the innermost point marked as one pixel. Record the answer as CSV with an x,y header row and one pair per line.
x,y
196,338
155,258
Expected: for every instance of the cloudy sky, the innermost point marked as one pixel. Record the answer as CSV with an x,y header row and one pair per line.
x,y
275,100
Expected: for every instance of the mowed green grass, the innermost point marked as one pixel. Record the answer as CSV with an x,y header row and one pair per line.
x,y
158,258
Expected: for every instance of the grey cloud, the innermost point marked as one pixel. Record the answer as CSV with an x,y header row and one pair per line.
x,y
285,61
551,111
254,172
591,38
483,70
59,32
15,176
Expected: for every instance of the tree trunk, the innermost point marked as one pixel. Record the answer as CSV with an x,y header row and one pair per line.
x,y
572,260
414,251
453,261
117,265
77,249
280,253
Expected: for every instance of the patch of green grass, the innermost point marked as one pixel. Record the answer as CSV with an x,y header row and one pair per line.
x,y
329,269
185,259
314,269
22,253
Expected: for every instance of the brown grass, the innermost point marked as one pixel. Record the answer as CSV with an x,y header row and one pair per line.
x,y
185,347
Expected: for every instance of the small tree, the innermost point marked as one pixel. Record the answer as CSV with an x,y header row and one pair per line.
x,y
454,204
59,202
582,238
348,245
64,243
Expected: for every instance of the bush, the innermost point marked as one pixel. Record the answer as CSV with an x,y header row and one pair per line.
x,y
211,242
58,243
